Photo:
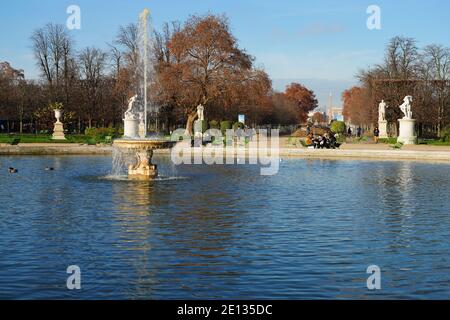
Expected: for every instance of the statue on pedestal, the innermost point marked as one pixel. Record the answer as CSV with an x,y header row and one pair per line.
x,y
407,124
198,126
406,107
132,115
382,122
382,111
200,114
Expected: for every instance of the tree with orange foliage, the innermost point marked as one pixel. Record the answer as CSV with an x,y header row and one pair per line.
x,y
206,66
319,117
304,98
357,106
283,110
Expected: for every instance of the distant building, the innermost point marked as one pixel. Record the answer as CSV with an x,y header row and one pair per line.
x,y
333,112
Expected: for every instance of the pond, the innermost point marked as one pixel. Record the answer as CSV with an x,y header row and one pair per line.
x,y
209,232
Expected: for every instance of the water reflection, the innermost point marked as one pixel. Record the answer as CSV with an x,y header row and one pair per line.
x,y
225,231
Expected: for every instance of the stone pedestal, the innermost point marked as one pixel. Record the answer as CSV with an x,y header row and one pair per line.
x,y
58,131
131,128
407,131
144,169
383,127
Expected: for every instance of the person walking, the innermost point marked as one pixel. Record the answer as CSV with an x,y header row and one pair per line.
x,y
251,132
239,134
358,132
376,134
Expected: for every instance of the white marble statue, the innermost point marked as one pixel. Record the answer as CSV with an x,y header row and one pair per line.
x,y
132,117
132,112
200,114
406,107
382,111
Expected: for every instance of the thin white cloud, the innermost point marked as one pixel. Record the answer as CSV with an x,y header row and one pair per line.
x,y
320,29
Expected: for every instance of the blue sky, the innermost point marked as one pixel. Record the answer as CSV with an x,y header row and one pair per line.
x,y
321,43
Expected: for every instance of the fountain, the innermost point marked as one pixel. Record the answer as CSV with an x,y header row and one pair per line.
x,y
135,140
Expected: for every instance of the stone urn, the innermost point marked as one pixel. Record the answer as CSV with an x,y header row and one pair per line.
x,y
58,130
58,115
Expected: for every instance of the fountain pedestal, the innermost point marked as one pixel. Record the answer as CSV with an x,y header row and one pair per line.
x,y
143,149
144,169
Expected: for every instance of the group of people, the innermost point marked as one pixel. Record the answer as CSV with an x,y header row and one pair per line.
x,y
358,132
240,135
246,133
376,133
325,141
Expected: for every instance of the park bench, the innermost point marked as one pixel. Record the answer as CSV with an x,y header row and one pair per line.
x,y
14,141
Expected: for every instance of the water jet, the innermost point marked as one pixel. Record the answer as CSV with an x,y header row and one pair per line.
x,y
135,141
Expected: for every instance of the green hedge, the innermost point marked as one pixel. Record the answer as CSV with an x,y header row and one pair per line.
x,y
237,125
214,124
388,140
14,141
224,125
338,127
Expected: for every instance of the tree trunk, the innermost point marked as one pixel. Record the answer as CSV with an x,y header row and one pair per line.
x,y
190,123
21,122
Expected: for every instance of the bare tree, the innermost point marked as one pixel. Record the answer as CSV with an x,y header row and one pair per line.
x,y
401,58
52,48
92,63
436,63
116,58
162,39
42,53
128,38
10,80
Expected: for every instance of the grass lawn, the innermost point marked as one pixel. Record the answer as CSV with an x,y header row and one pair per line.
x,y
45,138
434,142
393,141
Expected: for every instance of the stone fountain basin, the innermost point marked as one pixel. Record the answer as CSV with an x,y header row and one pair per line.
x,y
143,148
143,144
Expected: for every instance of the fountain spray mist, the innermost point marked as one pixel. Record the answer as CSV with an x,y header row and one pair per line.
x,y
143,30
136,143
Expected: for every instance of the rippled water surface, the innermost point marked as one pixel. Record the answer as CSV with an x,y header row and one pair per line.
x,y
224,231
